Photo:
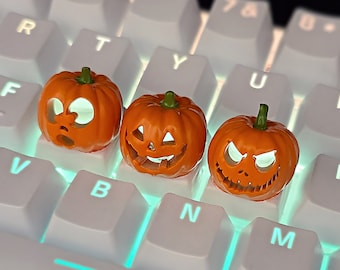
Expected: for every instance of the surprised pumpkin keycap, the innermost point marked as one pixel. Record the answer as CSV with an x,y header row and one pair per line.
x,y
80,110
163,135
253,157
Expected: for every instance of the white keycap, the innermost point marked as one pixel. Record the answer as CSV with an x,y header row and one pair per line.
x,y
22,253
268,245
318,207
186,75
241,207
112,56
156,185
245,89
31,50
309,53
18,115
29,191
32,8
317,121
334,262
185,234
237,32
173,24
101,162
104,16
98,216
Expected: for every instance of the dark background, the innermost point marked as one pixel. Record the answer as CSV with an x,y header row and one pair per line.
x,y
282,9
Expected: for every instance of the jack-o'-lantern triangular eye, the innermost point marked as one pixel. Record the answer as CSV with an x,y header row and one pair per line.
x,y
168,139
139,133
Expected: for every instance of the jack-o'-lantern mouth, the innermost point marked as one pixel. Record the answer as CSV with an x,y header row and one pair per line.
x,y
155,163
231,184
64,140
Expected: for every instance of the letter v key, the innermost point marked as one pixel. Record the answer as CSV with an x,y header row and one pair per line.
x,y
18,167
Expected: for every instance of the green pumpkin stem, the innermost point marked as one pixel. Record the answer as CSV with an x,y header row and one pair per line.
x,y
169,101
261,119
85,76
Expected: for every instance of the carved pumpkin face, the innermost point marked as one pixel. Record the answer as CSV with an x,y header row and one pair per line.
x,y
163,135
252,160
80,110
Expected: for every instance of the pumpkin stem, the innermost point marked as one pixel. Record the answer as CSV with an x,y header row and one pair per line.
x,y
169,101
261,119
85,76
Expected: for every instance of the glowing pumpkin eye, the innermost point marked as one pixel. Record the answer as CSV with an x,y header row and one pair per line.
x,y
84,110
264,161
168,139
232,155
54,107
139,133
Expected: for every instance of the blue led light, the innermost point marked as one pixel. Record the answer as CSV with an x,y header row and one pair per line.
x,y
71,265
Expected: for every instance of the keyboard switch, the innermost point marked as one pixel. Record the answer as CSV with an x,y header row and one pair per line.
x,y
237,32
29,191
185,234
266,244
32,48
97,216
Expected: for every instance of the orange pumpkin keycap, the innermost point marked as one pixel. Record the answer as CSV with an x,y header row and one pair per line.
x,y
253,157
80,110
163,134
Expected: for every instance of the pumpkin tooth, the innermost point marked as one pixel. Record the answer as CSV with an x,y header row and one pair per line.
x,y
141,160
160,159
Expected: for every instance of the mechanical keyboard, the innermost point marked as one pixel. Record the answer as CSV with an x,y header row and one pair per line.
x,y
66,209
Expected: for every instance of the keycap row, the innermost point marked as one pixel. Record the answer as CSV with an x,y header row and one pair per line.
x,y
307,54
123,226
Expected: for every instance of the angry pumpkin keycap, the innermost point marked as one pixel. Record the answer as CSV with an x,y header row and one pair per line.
x,y
253,157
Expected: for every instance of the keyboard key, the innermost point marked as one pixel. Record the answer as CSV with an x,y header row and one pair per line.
x,y
101,162
22,253
108,227
104,16
29,191
180,238
237,32
112,56
245,89
172,24
334,262
318,208
317,121
39,45
18,109
266,244
32,8
186,75
309,52
240,207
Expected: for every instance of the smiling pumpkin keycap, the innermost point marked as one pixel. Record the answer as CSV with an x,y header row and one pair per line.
x,y
163,135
